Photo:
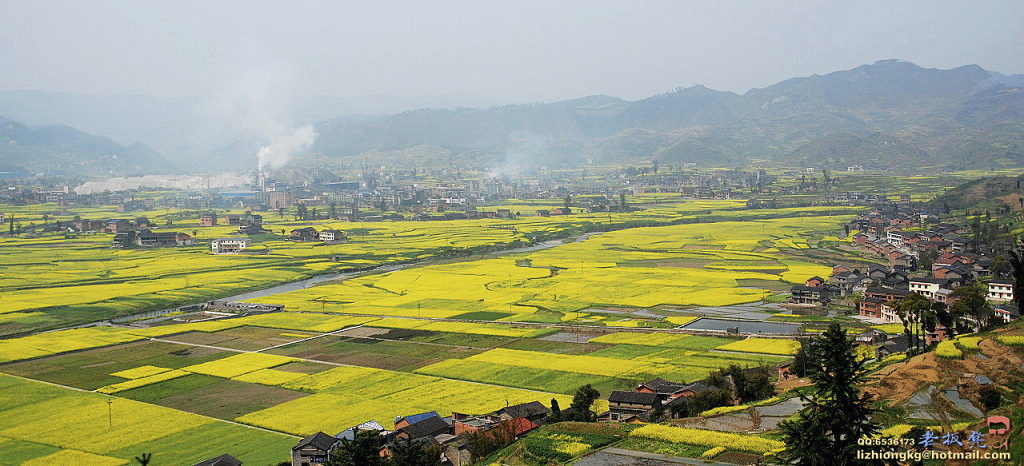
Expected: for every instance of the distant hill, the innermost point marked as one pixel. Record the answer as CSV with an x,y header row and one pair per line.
x,y
63,150
890,113
997,192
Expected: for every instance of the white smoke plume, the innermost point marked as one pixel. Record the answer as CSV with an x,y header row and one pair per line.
x,y
283,144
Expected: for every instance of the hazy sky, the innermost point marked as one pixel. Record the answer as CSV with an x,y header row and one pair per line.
x,y
505,50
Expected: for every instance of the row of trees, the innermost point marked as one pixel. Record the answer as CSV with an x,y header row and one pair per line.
x,y
970,312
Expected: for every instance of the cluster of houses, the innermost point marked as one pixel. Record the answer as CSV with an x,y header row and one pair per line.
x,y
448,434
248,224
888,235
149,239
311,234
110,225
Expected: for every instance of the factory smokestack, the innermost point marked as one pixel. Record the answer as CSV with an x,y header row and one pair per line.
x,y
282,146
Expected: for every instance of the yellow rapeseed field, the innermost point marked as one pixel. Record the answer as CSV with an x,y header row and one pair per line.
x,y
763,345
236,365
142,381
707,438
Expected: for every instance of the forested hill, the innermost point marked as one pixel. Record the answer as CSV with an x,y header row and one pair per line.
x,y
63,150
891,113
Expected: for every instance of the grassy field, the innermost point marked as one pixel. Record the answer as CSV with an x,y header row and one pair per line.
x,y
84,431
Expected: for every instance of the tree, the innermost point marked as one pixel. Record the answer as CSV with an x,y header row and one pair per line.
x,y
1017,263
799,365
826,430
708,399
970,301
911,309
680,407
556,411
567,201
144,458
927,258
579,410
408,452
657,413
362,450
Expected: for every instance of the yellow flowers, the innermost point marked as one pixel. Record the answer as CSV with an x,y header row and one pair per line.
x,y
44,344
571,448
75,457
270,377
711,453
142,381
1011,340
681,320
647,339
763,345
234,366
707,438
94,429
947,349
139,372
456,327
969,343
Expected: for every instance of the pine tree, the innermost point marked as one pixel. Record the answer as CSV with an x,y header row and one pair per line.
x,y
837,414
556,411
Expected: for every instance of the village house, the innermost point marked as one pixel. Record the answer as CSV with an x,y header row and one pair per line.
x,y
303,234
810,295
626,406
533,411
1000,290
314,450
871,307
229,245
332,236
427,427
1006,312
208,219
671,390
403,421
927,286
147,238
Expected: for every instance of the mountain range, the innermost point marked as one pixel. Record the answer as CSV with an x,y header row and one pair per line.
x,y
889,114
892,113
63,150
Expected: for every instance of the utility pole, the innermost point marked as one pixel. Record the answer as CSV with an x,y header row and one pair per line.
x,y
110,415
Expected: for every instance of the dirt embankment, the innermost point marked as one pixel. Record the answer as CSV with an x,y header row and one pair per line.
x,y
898,382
